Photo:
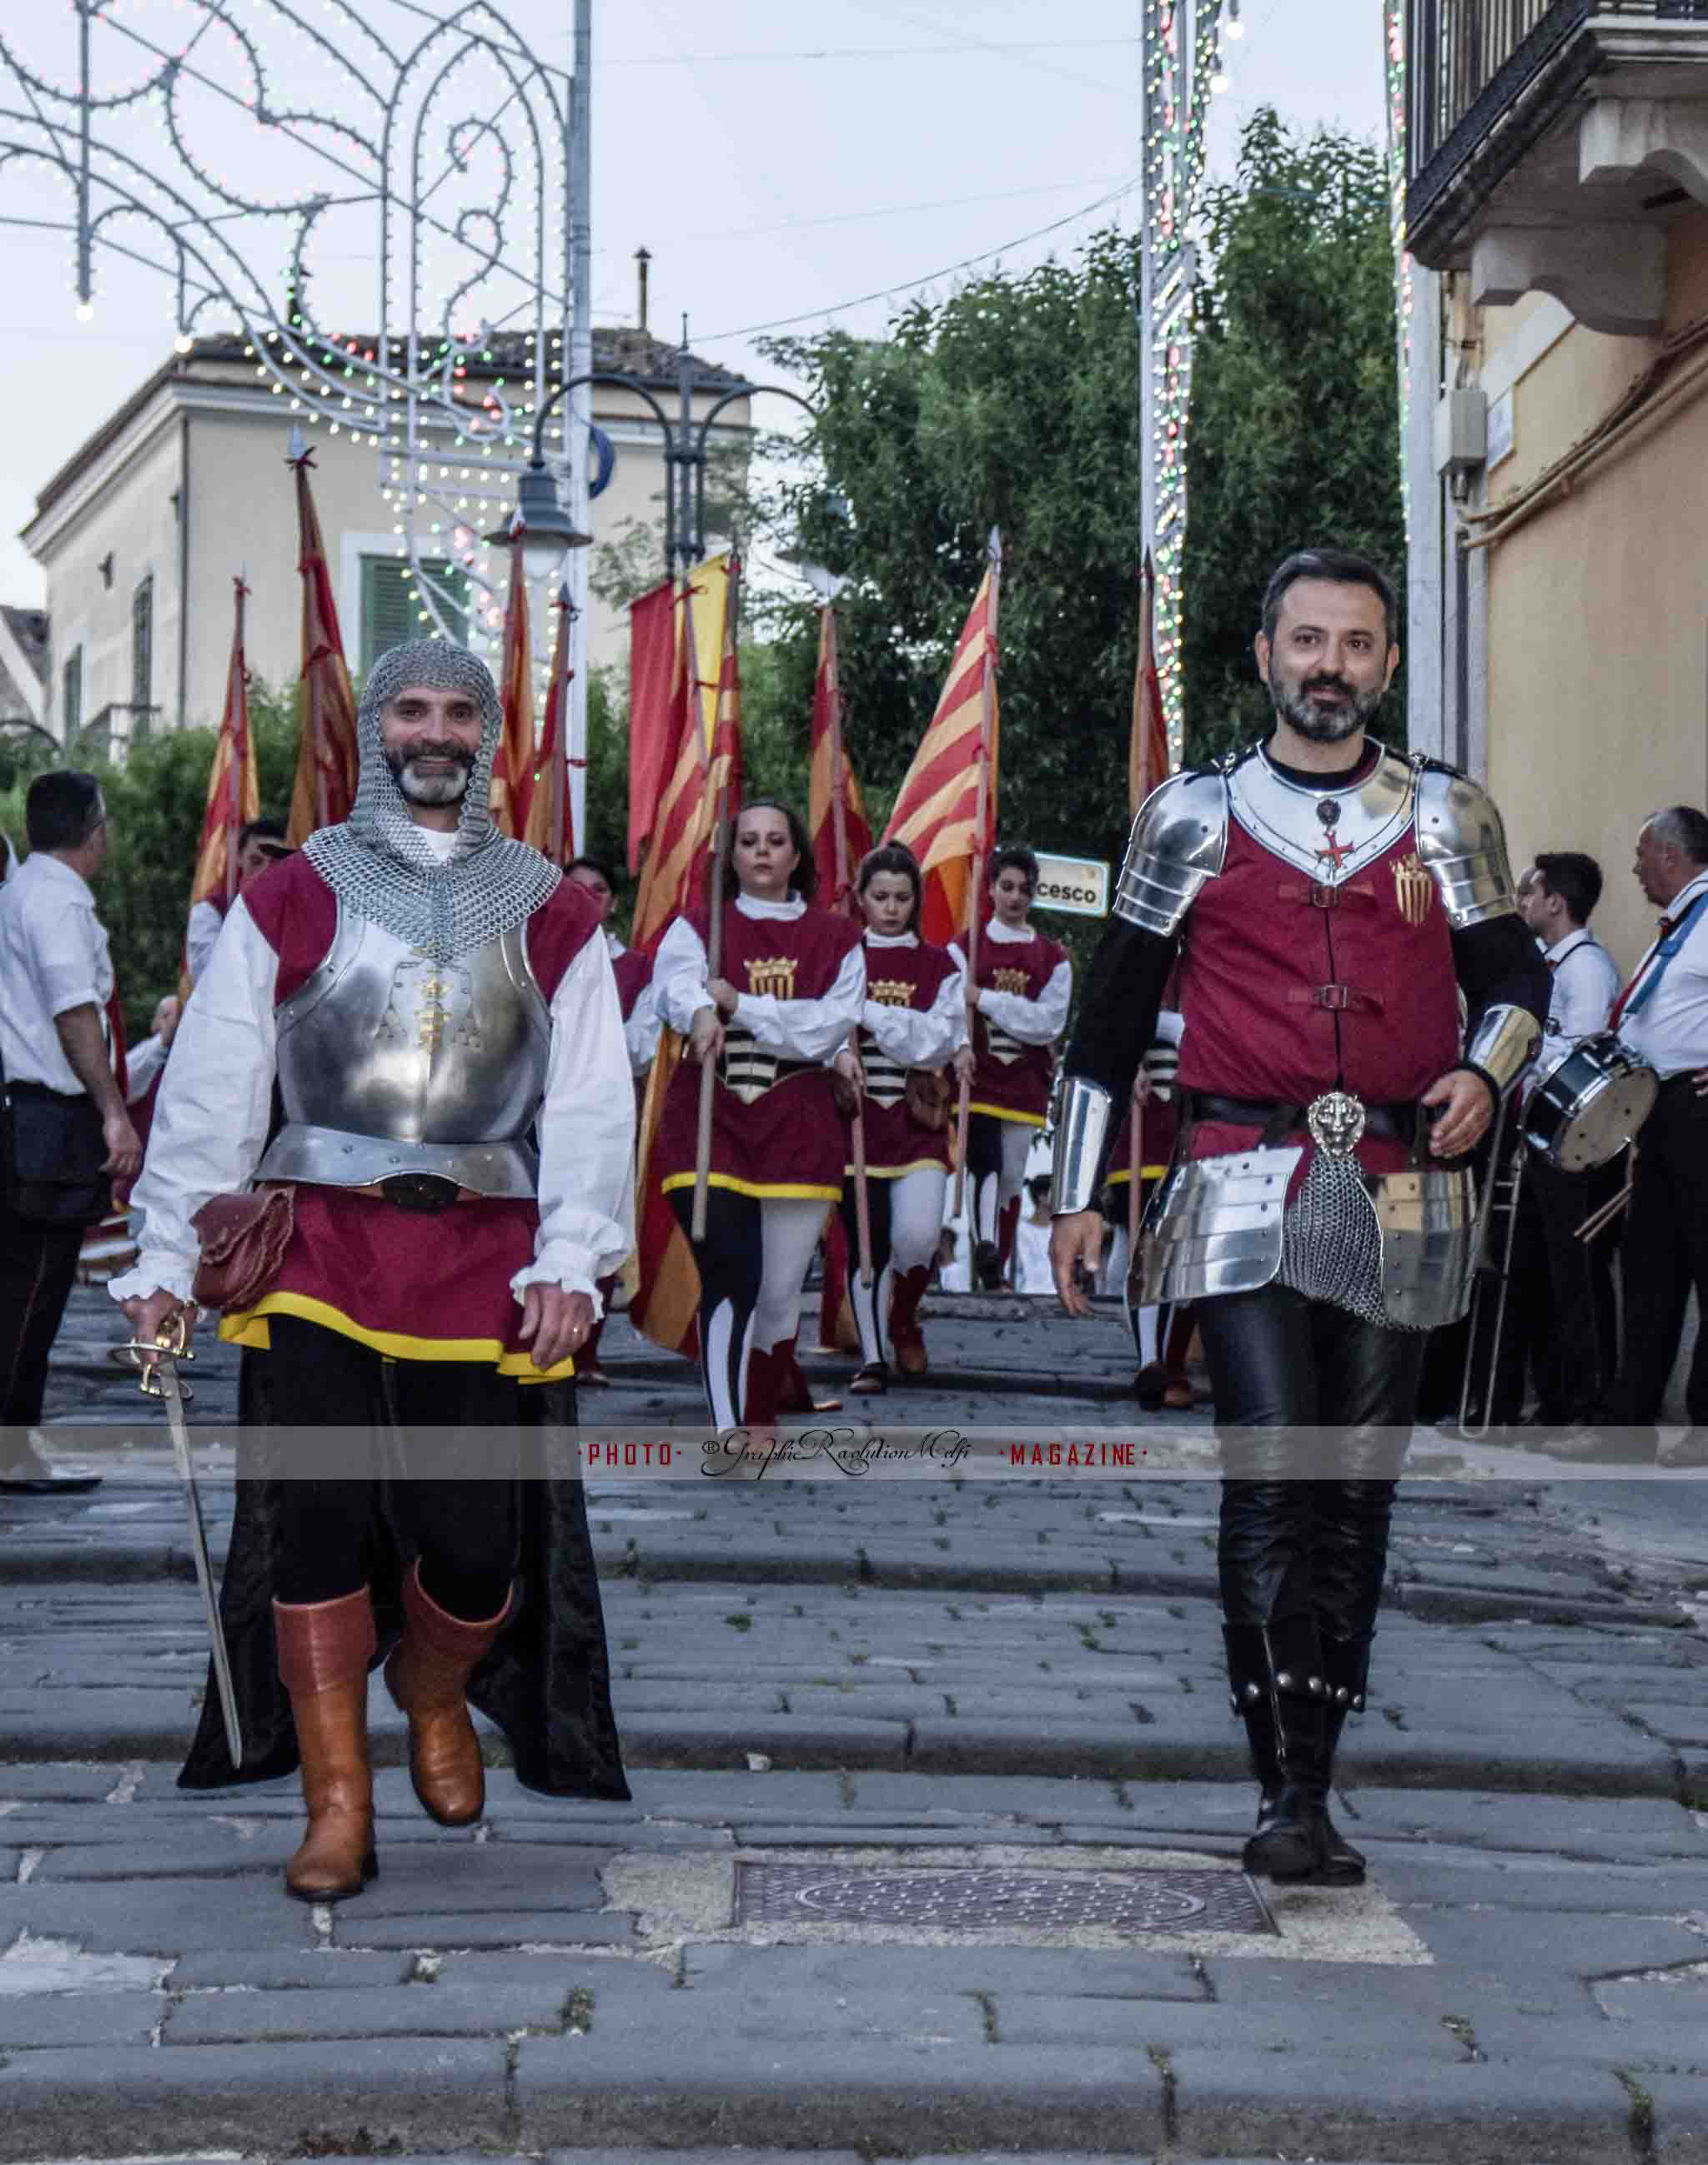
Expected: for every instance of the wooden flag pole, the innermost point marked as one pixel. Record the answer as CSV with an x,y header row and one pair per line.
x,y
839,836
981,854
1136,1159
715,926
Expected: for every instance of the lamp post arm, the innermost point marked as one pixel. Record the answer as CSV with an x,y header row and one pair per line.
x,y
595,375
730,398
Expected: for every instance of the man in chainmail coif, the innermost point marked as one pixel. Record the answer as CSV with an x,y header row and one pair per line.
x,y
432,1003
1325,901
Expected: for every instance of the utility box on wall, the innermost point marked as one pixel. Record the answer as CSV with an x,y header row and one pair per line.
x,y
1461,432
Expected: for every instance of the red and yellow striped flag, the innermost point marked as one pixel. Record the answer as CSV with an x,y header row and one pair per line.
x,y
234,790
1147,749
513,766
937,813
551,810
836,810
706,751
326,754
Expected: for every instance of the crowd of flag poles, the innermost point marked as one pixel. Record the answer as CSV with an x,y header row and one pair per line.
x,y
685,782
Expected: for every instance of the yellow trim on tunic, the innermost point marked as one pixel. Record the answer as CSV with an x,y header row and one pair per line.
x,y
1008,1113
249,1327
1146,1172
816,1193
895,1172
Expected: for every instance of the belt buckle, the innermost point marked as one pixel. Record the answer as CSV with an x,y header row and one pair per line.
x,y
1336,1120
427,1192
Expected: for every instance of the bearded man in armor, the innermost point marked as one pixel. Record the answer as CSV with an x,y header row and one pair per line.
x,y
1326,901
413,1023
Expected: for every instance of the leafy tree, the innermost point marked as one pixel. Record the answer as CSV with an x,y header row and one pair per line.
x,y
1294,435
1009,404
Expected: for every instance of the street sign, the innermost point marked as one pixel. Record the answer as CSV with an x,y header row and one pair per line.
x,y
1078,885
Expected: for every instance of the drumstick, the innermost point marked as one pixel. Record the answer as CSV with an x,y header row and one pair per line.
x,y
1599,1219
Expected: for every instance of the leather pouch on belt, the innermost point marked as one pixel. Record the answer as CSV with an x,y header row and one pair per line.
x,y
244,1239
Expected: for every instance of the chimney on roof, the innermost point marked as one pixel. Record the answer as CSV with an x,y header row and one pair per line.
x,y
642,258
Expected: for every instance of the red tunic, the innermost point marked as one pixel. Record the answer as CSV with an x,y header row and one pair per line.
x,y
1011,1081
895,1142
1156,1133
417,1287
1289,989
775,1127
633,971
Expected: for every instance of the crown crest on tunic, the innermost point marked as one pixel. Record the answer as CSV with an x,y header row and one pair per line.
x,y
1414,890
774,974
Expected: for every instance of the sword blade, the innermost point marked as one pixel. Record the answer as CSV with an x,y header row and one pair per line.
x,y
172,1395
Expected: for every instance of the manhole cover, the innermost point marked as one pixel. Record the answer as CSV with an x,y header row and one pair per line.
x,y
1144,1899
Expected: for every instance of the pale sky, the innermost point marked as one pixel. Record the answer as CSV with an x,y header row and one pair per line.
x,y
777,160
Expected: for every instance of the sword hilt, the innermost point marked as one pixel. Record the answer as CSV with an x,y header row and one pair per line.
x,y
172,1339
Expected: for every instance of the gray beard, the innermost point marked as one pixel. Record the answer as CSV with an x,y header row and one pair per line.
x,y
1332,725
430,789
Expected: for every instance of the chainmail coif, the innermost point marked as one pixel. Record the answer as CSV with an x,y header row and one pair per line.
x,y
380,864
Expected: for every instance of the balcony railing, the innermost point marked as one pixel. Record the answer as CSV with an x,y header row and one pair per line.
x,y
1469,60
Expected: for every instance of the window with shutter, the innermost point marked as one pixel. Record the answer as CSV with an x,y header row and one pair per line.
x,y
390,611
71,694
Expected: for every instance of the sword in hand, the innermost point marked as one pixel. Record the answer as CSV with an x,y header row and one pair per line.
x,y
158,1362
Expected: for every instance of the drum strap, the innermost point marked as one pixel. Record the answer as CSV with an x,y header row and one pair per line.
x,y
1641,990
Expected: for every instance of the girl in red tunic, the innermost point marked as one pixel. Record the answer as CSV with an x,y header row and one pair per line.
x,y
915,1020
789,992
1018,1009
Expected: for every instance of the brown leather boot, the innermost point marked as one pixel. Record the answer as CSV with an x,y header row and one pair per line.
x,y
905,1338
428,1679
324,1648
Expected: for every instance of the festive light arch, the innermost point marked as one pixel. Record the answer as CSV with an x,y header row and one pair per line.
x,y
439,150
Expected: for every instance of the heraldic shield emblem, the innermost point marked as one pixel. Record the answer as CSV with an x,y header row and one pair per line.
x,y
1414,889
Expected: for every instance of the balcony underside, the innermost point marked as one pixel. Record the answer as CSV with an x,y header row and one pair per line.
x,y
1563,175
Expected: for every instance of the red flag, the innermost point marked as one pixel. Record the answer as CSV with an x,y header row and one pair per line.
x,y
836,810
1147,749
953,777
233,792
550,811
513,766
701,758
326,755
652,709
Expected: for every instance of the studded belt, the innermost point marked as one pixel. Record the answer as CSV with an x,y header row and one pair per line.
x,y
1392,1123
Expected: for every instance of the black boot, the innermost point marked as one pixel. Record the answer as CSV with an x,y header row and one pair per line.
x,y
1275,1674
1347,1664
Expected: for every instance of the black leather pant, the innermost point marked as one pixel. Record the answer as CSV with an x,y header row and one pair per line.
x,y
1312,1407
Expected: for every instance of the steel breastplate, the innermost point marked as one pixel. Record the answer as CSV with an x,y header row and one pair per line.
x,y
389,1062
1294,822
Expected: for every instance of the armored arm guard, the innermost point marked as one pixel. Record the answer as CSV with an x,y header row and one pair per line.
x,y
1084,1128
1502,1046
1463,844
1179,841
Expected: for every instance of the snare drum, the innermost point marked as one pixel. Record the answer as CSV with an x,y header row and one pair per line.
x,y
1592,1104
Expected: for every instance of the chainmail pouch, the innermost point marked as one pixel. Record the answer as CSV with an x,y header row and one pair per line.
x,y
1332,1243
381,865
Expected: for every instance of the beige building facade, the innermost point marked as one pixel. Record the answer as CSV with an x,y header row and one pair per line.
x,y
186,487
1558,224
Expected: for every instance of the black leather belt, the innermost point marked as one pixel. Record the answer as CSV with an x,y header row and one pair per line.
x,y
418,1191
1396,1122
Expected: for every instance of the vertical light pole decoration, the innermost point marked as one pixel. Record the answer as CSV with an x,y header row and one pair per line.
x,y
1182,65
230,145
1405,280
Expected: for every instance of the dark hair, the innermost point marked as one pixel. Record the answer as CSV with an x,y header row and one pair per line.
x,y
1575,878
269,830
1012,859
804,880
892,857
1680,825
62,809
593,864
1343,569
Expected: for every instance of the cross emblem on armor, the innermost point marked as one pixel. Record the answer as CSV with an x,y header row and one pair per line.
x,y
1335,850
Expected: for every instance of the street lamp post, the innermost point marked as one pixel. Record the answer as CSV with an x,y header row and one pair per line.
x,y
542,525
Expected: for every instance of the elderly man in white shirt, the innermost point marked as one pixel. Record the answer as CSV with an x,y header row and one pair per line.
x,y
63,1096
1661,1015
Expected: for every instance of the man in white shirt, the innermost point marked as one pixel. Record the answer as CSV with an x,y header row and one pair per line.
x,y
435,1005
1560,1317
55,984
1661,1015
